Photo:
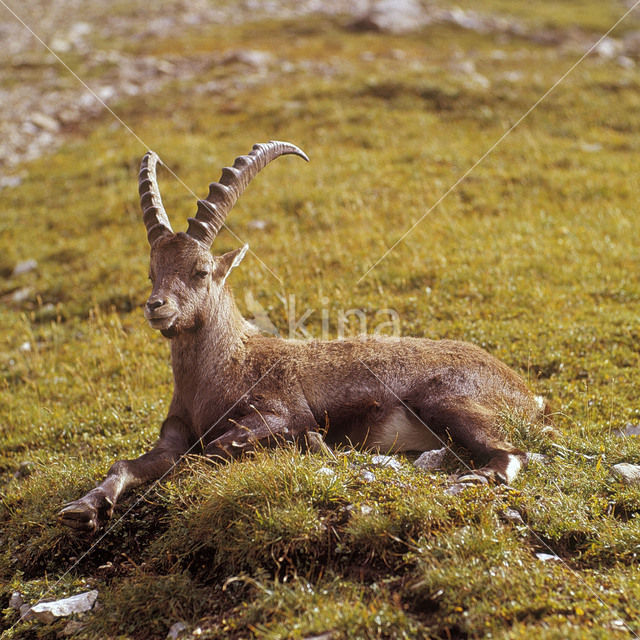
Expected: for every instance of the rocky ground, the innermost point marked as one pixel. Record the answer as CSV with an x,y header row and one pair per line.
x,y
59,65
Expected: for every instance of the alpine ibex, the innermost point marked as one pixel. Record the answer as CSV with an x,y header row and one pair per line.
x,y
236,389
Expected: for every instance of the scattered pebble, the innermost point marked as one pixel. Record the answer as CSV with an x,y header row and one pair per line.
x,y
20,295
176,630
367,476
16,601
47,612
24,267
252,58
431,460
392,16
511,515
325,471
25,613
386,461
546,557
629,430
628,473
10,181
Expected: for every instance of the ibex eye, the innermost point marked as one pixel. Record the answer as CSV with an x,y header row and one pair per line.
x,y
201,274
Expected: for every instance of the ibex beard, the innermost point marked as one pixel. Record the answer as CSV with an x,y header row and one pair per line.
x,y
236,389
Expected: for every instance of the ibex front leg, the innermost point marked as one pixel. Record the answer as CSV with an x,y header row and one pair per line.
x,y
86,514
260,429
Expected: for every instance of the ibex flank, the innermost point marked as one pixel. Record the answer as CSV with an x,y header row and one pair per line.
x,y
236,389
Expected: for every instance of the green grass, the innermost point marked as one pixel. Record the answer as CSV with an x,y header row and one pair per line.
x,y
534,256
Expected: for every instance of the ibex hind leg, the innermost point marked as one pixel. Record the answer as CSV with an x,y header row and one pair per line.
x,y
474,427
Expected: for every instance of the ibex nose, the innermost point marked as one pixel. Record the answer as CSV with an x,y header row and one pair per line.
x,y
154,303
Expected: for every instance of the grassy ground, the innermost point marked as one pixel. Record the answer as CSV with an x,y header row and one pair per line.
x,y
534,257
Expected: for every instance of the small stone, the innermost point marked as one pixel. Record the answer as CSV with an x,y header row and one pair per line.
x,y
24,267
431,460
392,16
325,471
628,473
45,122
26,613
176,630
511,515
591,147
386,461
250,57
456,488
625,62
47,612
16,601
259,225
25,347
546,557
629,430
367,476
10,181
20,295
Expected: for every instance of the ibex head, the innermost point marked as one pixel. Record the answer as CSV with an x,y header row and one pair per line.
x,y
187,279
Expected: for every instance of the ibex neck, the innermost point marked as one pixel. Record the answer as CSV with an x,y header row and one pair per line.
x,y
201,355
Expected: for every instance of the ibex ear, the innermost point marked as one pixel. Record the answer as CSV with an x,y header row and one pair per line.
x,y
229,261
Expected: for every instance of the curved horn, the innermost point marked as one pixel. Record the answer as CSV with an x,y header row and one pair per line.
x,y
213,210
153,213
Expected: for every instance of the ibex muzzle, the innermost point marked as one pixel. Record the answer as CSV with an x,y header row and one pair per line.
x,y
235,389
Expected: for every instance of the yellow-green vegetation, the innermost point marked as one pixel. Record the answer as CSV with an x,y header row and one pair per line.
x,y
533,256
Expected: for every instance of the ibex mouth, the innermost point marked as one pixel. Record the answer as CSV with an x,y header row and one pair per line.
x,y
161,323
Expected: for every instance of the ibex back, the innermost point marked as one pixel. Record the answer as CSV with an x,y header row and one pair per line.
x,y
236,389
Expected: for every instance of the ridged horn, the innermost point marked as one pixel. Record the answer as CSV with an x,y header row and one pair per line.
x,y
155,217
213,210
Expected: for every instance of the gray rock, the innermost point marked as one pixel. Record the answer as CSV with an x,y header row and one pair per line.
x,y
393,16
386,461
511,515
25,613
47,612
176,630
24,267
45,122
367,476
431,460
629,430
628,473
547,557
16,601
325,471
20,295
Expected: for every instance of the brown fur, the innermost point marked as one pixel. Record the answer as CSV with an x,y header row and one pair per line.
x,y
235,389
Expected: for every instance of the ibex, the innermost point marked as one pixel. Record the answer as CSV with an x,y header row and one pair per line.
x,y
236,389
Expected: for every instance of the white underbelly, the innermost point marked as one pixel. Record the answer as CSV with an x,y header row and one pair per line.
x,y
403,431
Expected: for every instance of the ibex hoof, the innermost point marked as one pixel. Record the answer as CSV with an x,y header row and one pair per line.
x,y
88,513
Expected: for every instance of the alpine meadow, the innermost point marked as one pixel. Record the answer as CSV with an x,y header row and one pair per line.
x,y
473,176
